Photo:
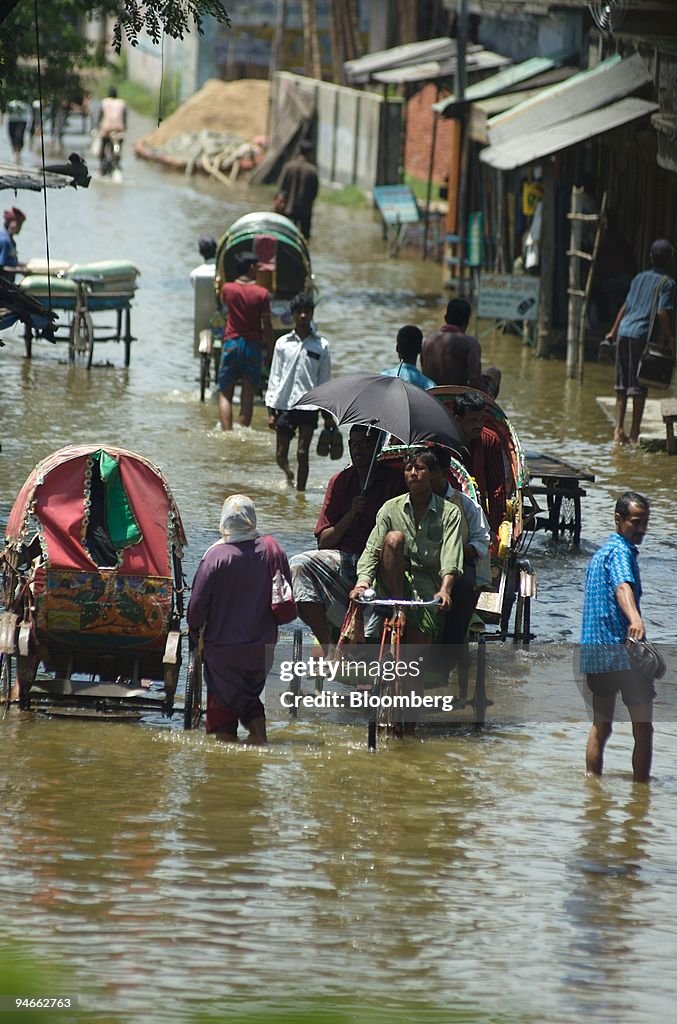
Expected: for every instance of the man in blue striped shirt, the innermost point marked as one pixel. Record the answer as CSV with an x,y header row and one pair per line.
x,y
611,615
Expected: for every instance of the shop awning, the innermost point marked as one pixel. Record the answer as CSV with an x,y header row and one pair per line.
x,y
362,69
476,60
504,81
524,149
589,90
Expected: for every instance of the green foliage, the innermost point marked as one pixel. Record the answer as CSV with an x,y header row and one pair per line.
x,y
59,41
419,187
349,195
175,17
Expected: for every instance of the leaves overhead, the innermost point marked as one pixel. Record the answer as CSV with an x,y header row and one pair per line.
x,y
64,48
175,17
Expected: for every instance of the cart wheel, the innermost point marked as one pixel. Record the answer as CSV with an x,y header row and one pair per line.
x,y
381,719
518,633
509,594
526,635
296,655
81,339
192,701
479,701
128,336
5,683
566,518
205,372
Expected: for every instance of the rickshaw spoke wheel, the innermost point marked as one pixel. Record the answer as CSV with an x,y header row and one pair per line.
x,y
205,369
192,701
81,339
5,682
296,656
479,701
567,518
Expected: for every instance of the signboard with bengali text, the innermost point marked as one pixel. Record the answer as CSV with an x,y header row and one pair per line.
x,y
508,297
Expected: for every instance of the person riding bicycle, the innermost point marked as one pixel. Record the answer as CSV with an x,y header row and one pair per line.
x,y
415,550
112,122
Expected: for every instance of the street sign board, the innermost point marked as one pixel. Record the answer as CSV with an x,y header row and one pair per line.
x,y
397,204
508,297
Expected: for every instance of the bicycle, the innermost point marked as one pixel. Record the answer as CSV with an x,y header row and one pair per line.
x,y
81,336
111,153
388,714
209,348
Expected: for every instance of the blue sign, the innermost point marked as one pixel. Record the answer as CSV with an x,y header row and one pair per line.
x,y
397,204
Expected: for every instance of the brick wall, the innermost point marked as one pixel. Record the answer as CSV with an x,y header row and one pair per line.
x,y
419,133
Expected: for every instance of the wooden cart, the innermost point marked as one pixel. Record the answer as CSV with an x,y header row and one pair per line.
x,y
560,483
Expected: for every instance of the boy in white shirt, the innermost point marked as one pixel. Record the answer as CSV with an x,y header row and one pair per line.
x,y
300,362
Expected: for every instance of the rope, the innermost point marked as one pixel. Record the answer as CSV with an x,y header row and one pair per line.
x,y
42,156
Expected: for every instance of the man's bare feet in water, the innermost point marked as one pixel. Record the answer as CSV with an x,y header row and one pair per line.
x,y
620,437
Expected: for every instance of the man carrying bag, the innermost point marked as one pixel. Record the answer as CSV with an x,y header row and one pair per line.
x,y
645,349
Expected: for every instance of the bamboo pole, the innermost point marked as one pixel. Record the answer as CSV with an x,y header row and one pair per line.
x,y
574,305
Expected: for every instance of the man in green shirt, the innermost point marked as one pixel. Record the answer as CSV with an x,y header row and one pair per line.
x,y
415,549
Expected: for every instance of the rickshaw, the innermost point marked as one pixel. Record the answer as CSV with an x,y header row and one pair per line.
x,y
284,269
93,586
104,286
514,579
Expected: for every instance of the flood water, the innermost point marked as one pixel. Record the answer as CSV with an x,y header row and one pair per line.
x,y
460,877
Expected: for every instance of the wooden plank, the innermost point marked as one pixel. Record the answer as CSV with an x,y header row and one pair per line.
x,y
669,414
544,466
668,408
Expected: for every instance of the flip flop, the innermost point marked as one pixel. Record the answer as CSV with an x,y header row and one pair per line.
x,y
324,441
336,444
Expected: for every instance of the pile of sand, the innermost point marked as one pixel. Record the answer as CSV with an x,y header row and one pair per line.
x,y
240,108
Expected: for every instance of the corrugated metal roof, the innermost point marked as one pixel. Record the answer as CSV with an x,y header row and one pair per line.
x,y
586,91
480,60
524,149
361,69
503,81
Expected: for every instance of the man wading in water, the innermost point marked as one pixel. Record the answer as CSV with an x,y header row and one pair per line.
x,y
247,336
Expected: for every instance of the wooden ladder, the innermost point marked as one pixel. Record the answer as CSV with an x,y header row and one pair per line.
x,y
579,299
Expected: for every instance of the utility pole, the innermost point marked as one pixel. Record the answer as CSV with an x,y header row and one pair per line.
x,y
459,88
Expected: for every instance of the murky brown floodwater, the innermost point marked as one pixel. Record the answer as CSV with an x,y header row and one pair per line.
x,y
465,877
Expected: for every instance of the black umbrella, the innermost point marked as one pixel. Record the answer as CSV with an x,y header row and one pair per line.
x,y
389,404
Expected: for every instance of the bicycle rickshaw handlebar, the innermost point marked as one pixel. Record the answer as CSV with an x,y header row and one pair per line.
x,y
394,602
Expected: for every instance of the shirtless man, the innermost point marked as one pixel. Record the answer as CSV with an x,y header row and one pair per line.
x,y
112,121
450,356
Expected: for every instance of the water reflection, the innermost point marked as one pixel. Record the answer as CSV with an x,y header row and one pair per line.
x,y
609,906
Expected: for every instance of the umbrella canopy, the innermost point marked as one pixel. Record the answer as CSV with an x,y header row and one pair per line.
x,y
386,403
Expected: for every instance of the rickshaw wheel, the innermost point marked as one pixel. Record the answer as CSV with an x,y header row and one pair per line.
x,y
5,682
479,700
205,373
566,518
296,655
81,339
192,701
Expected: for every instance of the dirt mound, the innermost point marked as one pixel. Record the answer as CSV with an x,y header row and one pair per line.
x,y
238,107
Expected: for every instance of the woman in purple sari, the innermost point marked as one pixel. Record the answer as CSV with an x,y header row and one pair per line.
x,y
231,604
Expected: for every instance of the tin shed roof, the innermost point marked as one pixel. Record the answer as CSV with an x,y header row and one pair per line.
x,y
524,149
503,81
578,95
362,69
